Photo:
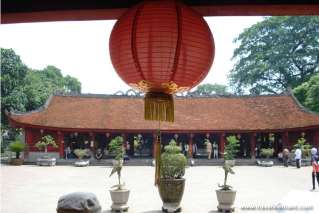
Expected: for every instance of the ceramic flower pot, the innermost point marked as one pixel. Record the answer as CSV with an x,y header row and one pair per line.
x,y
171,192
119,198
226,199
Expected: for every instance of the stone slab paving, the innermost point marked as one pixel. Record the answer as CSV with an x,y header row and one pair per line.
x,y
34,189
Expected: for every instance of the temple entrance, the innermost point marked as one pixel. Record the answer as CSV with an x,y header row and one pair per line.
x,y
244,148
73,141
139,145
266,141
199,146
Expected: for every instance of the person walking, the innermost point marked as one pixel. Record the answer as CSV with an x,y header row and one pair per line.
x,y
285,157
314,174
315,171
298,155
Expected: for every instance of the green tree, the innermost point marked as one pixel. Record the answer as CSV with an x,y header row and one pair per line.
x,y
13,72
24,89
40,84
72,85
308,93
212,89
275,54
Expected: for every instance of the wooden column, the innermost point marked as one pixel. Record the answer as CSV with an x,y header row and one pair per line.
x,y
285,140
28,141
190,145
60,138
222,144
316,138
154,142
253,145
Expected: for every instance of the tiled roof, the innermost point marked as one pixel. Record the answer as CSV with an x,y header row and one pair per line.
x,y
210,113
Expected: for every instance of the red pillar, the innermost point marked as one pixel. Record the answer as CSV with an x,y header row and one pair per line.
x,y
316,138
285,140
28,141
154,142
190,145
222,144
253,145
61,143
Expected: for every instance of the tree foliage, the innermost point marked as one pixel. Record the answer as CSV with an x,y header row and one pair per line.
x,y
24,89
212,89
275,54
308,93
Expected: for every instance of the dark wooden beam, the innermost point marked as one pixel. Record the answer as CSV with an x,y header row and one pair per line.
x,y
17,11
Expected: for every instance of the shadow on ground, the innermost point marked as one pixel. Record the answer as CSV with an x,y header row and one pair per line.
x,y
150,211
154,211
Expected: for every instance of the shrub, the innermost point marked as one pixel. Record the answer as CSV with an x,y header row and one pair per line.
x,y
231,148
116,147
46,141
173,162
17,147
80,153
305,147
267,152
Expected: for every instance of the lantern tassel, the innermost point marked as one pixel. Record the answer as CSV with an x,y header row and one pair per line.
x,y
159,106
158,158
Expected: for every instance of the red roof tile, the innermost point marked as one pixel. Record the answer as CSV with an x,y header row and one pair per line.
x,y
213,114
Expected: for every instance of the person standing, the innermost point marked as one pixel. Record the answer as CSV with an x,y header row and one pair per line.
x,y
315,171
209,149
298,155
285,157
314,174
215,150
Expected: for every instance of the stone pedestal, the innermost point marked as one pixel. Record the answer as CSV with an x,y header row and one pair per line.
x,y
46,161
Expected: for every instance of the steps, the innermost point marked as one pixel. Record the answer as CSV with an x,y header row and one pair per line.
x,y
148,162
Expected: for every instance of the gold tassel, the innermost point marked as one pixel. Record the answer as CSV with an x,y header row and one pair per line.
x,y
158,158
159,106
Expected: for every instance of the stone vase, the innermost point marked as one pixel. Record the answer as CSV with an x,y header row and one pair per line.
x,y
171,192
226,199
119,198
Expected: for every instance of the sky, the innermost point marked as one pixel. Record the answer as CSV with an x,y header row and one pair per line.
x,y
80,49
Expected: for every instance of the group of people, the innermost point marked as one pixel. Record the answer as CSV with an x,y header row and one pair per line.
x,y
298,156
211,148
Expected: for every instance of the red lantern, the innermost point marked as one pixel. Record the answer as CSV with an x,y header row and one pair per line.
x,y
160,48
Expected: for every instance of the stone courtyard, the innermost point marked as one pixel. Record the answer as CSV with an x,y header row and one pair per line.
x,y
33,189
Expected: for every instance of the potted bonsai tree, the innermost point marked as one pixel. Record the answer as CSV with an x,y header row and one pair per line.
x,y
17,147
305,150
267,153
231,149
81,153
226,195
171,183
119,193
116,148
43,144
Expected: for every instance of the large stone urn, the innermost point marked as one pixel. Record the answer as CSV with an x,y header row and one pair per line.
x,y
119,198
226,199
171,192
16,161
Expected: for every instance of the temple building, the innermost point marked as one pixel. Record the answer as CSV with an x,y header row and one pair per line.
x,y
91,121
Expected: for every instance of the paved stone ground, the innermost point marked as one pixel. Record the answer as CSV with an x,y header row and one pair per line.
x,y
33,189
